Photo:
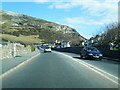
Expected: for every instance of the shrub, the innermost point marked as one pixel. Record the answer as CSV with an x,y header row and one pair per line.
x,y
32,48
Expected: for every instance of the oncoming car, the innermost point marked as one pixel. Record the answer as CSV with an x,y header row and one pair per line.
x,y
47,49
91,53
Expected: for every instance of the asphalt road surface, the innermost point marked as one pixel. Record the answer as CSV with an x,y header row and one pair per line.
x,y
56,70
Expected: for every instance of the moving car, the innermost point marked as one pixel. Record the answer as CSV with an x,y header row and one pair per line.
x,y
91,53
47,49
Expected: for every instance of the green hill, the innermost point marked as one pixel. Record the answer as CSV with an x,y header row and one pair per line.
x,y
19,24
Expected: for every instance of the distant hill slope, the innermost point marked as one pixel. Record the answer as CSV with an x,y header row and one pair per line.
x,y
19,24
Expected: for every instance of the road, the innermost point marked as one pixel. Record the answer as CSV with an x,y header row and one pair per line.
x,y
56,70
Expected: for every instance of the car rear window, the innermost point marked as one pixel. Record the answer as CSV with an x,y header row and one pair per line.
x,y
47,47
92,49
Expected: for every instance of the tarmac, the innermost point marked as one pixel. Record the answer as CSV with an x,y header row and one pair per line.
x,y
112,59
9,63
12,63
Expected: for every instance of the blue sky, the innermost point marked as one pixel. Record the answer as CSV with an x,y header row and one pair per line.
x,y
88,17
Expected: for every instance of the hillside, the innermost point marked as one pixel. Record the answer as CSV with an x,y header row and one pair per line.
x,y
19,24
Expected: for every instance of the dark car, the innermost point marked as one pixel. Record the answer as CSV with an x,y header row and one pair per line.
x,y
91,53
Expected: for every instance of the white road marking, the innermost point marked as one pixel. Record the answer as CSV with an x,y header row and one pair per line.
x,y
18,66
95,69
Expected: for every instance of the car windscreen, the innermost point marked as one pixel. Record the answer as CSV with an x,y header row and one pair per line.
x,y
92,49
47,47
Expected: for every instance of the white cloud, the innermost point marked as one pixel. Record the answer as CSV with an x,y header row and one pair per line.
x,y
106,11
38,1
74,0
44,1
17,0
63,5
41,0
106,8
94,7
82,21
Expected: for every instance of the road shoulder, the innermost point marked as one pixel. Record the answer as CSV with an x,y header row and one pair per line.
x,y
10,64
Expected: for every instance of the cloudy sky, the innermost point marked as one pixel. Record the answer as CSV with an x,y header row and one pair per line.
x,y
88,17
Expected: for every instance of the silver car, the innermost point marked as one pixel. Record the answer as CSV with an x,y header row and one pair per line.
x,y
47,49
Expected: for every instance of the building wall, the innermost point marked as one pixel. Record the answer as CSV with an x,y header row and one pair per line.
x,y
65,44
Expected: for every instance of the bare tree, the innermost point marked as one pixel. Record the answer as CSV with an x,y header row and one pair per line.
x,y
111,33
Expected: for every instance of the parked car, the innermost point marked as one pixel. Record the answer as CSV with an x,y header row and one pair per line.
x,y
47,49
91,53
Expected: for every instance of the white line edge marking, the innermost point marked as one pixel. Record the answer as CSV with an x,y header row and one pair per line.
x,y
18,66
81,62
94,69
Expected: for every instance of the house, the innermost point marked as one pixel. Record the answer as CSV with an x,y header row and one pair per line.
x,y
65,44
62,44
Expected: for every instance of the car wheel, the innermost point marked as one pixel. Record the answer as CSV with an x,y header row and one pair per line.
x,y
86,57
81,56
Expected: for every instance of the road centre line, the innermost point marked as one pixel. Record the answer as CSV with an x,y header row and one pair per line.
x,y
95,69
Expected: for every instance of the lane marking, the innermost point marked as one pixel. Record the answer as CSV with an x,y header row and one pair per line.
x,y
95,69
18,66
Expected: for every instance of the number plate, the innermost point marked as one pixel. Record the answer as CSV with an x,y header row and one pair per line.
x,y
96,56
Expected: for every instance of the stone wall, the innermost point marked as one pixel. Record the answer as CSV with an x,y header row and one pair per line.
x,y
9,50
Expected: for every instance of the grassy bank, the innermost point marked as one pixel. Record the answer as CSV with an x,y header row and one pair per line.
x,y
21,39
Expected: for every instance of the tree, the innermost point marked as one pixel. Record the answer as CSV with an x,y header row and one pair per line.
x,y
111,34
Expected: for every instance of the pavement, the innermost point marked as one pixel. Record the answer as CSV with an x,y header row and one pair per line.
x,y
112,59
9,63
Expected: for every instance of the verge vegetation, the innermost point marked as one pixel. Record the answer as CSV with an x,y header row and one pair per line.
x,y
32,39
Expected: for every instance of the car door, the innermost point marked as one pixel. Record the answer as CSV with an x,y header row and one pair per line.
x,y
83,52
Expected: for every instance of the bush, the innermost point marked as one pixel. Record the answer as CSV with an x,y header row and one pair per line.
x,y
32,48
